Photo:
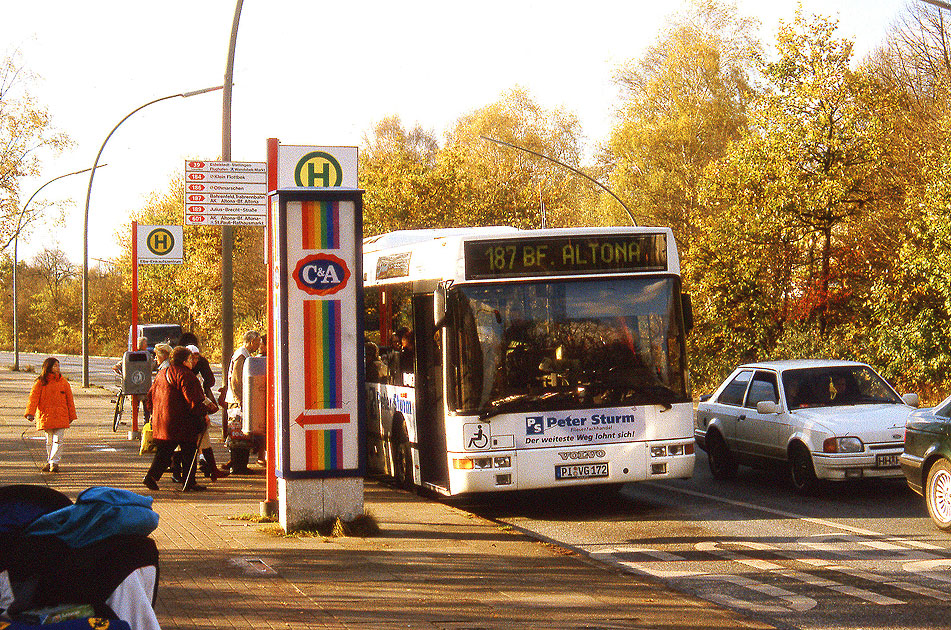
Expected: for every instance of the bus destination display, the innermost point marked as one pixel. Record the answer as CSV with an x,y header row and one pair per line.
x,y
567,255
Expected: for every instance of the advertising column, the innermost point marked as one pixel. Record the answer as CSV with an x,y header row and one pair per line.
x,y
316,280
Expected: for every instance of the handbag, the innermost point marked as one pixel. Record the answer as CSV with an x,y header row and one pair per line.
x,y
211,406
147,445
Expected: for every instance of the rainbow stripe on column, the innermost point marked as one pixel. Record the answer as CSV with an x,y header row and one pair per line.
x,y
324,449
322,358
320,225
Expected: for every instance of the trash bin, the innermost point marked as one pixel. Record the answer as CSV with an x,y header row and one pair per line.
x,y
136,372
254,396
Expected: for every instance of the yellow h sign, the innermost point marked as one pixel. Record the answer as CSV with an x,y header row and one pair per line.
x,y
318,169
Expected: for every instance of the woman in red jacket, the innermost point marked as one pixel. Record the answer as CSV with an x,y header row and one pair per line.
x,y
178,409
51,404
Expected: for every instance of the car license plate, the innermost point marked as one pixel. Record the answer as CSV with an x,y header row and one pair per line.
x,y
886,461
581,471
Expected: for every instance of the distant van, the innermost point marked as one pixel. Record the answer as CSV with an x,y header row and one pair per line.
x,y
155,333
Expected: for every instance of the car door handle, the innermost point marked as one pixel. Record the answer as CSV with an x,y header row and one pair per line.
x,y
743,417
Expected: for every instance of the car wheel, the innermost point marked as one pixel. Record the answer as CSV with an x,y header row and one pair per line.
x,y
722,463
802,473
938,494
402,457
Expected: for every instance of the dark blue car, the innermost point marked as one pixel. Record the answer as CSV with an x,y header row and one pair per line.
x,y
926,461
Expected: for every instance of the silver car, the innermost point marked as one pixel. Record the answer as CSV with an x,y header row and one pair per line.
x,y
821,419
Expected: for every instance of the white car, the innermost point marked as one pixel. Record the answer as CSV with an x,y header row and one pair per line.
x,y
832,420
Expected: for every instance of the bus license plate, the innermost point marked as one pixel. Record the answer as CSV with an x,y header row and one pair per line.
x,y
886,461
581,471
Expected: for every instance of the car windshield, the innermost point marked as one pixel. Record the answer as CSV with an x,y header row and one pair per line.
x,y
567,344
836,386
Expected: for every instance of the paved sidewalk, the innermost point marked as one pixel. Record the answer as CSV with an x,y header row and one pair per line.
x,y
432,566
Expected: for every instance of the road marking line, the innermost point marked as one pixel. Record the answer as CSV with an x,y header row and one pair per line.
x,y
661,573
798,603
713,548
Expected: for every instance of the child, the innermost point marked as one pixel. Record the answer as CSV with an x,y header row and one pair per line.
x,y
51,400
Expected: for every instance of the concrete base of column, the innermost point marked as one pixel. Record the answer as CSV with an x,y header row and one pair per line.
x,y
308,501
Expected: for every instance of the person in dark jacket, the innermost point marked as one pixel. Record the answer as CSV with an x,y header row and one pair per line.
x,y
178,417
202,369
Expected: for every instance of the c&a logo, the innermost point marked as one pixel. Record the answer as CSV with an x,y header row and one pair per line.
x,y
321,274
318,169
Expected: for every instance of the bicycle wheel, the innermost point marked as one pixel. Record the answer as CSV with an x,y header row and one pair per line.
x,y
120,402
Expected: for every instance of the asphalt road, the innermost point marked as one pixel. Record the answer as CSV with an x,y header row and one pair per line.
x,y
100,368
857,555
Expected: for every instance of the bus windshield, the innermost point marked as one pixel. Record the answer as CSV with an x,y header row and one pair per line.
x,y
566,344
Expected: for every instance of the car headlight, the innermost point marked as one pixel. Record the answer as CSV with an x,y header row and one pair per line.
x,y
843,445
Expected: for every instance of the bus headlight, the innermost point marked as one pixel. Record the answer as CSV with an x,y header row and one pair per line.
x,y
476,463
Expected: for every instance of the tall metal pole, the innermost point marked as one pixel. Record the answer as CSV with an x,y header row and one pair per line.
x,y
16,243
227,233
86,221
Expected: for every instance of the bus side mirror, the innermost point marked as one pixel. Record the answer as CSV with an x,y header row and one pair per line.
x,y
440,310
687,308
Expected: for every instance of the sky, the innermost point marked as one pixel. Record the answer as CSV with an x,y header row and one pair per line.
x,y
314,73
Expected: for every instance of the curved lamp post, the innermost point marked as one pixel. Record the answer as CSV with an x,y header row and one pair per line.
x,y
16,243
86,222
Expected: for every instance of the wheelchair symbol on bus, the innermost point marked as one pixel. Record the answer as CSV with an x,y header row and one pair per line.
x,y
476,436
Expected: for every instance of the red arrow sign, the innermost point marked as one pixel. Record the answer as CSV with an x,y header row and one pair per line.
x,y
309,417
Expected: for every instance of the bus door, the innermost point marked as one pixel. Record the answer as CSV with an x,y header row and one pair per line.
x,y
430,420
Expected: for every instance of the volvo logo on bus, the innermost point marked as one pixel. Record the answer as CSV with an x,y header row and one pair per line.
x,y
596,454
321,274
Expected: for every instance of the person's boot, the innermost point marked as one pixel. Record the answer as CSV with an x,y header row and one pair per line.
x,y
213,471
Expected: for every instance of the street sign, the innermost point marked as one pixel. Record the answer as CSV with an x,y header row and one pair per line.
x,y
225,193
160,245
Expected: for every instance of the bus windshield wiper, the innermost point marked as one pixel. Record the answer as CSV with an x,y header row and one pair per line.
x,y
511,403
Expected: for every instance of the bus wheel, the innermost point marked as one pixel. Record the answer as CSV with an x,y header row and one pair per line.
x,y
402,457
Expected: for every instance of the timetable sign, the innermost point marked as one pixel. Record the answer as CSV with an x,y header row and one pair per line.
x,y
225,193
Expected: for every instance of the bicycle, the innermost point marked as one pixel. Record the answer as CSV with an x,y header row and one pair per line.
x,y
120,403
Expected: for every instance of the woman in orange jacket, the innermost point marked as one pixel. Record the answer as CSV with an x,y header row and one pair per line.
x,y
51,403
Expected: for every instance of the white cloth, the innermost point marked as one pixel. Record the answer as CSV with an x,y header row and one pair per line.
x,y
132,599
54,445
6,591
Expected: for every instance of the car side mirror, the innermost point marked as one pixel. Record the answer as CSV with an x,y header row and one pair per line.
x,y
768,406
911,400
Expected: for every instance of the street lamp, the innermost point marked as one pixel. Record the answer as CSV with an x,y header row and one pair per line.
x,y
16,243
86,223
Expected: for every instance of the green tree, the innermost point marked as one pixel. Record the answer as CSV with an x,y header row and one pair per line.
x,y
506,186
911,301
26,131
412,183
396,169
807,170
685,102
190,294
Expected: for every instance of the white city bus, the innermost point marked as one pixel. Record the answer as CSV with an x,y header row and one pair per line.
x,y
531,359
